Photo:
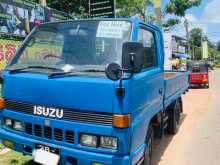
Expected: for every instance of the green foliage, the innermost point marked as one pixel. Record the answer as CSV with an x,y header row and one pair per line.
x,y
195,41
15,158
213,53
218,46
178,7
127,8
171,22
196,37
197,53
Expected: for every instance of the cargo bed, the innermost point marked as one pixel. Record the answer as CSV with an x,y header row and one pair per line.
x,y
175,84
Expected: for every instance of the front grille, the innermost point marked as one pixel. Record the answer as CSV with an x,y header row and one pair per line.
x,y
69,136
48,132
56,134
69,114
28,128
37,130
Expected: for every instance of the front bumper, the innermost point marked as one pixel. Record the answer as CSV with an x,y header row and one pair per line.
x,y
81,157
198,82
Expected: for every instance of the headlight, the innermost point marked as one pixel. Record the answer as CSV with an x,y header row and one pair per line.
x,y
17,126
8,122
88,140
108,142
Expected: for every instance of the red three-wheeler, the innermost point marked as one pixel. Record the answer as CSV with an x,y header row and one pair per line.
x,y
198,73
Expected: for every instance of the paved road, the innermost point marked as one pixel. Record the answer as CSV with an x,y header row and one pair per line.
x,y
198,139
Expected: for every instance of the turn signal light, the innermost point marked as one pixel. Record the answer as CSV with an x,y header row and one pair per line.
x,y
205,80
121,121
2,103
96,163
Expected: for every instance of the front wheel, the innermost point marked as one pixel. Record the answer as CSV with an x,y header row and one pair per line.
x,y
149,147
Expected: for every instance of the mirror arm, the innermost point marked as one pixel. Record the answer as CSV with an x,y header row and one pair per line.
x,y
120,90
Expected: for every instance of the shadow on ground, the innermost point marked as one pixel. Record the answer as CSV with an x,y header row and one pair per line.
x,y
161,144
31,162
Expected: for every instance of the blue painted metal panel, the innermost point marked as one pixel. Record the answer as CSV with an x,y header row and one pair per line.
x,y
175,86
97,94
69,92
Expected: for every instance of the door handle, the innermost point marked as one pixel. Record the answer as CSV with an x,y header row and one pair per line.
x,y
160,91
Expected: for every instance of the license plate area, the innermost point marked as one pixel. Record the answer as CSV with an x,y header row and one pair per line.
x,y
46,155
48,149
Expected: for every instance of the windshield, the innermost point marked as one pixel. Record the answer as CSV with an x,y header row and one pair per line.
x,y
198,67
76,45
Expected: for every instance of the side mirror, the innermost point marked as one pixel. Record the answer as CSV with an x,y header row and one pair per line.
x,y
133,56
113,71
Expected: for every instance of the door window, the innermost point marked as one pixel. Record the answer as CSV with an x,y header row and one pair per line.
x,y
150,56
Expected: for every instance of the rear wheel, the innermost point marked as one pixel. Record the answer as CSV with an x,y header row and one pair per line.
x,y
174,117
149,147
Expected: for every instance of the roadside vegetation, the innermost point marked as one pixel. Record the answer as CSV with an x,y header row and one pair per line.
x,y
15,158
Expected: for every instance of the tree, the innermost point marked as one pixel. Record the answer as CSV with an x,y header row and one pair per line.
x,y
178,9
218,46
196,37
127,8
196,42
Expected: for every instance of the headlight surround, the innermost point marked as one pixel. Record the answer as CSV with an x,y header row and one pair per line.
x,y
13,124
17,125
108,142
96,141
88,140
8,122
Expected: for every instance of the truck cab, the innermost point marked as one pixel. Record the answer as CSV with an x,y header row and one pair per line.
x,y
59,105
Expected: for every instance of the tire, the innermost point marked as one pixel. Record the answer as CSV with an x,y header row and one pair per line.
x,y
159,130
207,86
174,117
149,147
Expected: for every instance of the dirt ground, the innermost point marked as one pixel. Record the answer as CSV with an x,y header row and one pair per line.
x,y
198,139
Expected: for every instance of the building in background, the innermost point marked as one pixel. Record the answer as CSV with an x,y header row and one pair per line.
x,y
179,52
176,53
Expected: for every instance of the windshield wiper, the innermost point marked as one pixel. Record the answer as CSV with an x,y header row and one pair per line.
x,y
56,74
72,73
19,70
92,70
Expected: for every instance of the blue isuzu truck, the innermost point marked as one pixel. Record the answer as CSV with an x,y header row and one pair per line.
x,y
90,92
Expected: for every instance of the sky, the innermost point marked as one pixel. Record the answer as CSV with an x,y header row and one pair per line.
x,y
205,16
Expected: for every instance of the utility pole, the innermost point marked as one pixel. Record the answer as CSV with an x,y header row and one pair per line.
x,y
157,4
186,24
43,2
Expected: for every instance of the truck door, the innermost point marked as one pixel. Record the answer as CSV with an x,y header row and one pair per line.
x,y
147,86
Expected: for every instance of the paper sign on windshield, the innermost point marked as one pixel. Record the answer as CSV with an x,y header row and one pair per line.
x,y
112,29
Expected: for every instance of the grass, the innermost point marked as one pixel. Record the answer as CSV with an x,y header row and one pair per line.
x,y
1,146
15,158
